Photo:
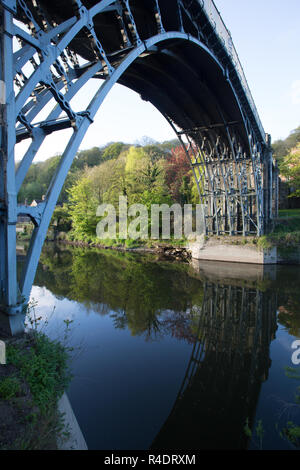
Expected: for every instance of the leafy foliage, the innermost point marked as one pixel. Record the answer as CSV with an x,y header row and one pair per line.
x,y
179,177
40,174
152,173
82,207
44,367
138,173
285,234
290,169
9,387
281,148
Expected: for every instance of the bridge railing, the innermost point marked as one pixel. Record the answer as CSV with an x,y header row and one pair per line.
x,y
224,35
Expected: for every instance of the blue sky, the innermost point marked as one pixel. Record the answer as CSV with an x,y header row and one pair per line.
x,y
266,34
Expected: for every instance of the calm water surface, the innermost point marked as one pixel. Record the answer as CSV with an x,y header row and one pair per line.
x,y
174,356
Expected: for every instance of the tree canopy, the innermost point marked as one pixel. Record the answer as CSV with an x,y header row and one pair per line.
x,y
281,148
290,169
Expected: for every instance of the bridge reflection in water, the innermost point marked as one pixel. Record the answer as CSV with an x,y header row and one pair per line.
x,y
226,312
229,362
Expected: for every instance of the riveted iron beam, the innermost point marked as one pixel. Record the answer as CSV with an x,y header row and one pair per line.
x,y
207,128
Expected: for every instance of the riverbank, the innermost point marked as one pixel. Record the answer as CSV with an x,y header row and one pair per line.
x,y
280,246
285,233
138,317
250,249
32,382
167,250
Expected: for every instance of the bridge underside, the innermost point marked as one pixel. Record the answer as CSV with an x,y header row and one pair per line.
x,y
176,54
198,91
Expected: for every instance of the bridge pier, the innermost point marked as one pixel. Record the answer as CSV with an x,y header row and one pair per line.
x,y
11,318
270,181
11,325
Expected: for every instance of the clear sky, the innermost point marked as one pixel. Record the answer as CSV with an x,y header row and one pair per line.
x,y
266,34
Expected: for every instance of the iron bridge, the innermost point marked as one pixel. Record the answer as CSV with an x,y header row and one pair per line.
x,y
178,55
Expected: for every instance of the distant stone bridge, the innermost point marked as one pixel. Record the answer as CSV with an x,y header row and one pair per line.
x,y
177,54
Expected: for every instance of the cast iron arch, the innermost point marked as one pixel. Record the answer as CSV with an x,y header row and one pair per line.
x,y
176,54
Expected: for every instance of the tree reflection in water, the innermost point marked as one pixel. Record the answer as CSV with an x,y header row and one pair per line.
x,y
227,312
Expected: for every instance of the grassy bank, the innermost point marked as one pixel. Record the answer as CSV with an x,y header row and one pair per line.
x,y
25,231
31,383
122,243
286,231
169,249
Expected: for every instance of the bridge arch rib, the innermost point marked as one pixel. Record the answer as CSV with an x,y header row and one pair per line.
x,y
173,55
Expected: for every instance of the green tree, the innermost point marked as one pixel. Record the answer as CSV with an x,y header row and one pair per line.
x,y
282,147
113,150
136,162
82,208
290,169
61,220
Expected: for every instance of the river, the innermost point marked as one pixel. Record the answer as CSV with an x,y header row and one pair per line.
x,y
171,355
